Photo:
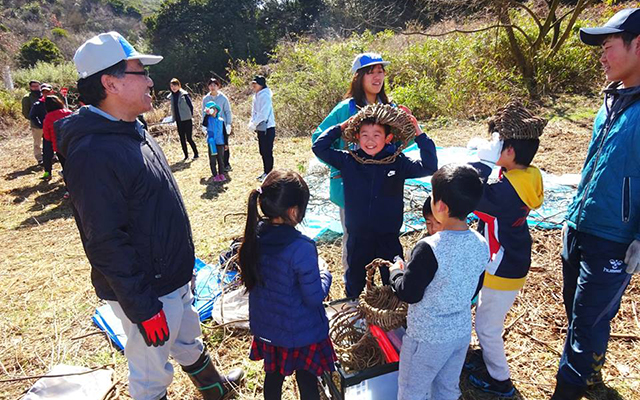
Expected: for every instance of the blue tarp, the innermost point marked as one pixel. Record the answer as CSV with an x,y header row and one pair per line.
x,y
209,284
322,219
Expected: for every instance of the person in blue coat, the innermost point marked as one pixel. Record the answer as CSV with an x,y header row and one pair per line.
x,y
374,186
279,268
216,140
601,238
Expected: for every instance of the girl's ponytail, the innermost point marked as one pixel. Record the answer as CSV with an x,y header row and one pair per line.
x,y
280,191
248,253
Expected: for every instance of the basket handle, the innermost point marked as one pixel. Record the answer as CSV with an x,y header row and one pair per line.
x,y
372,267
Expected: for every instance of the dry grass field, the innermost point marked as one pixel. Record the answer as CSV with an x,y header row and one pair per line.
x,y
46,298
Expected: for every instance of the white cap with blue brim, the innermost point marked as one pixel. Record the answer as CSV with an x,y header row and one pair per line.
x,y
105,50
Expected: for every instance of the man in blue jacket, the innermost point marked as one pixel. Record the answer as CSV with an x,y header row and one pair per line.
x,y
601,239
132,221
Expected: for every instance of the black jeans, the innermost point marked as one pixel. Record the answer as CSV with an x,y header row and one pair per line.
x,y
185,131
219,157
47,155
361,250
307,383
265,142
227,156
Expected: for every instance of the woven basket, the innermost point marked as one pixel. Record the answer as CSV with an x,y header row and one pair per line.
x,y
515,121
379,305
400,123
355,347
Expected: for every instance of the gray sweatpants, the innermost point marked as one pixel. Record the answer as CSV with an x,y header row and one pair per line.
x,y
150,372
431,371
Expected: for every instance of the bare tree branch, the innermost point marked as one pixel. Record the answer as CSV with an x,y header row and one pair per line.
x,y
529,11
548,23
456,30
582,4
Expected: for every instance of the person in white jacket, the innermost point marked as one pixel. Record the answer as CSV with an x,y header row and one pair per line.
x,y
263,122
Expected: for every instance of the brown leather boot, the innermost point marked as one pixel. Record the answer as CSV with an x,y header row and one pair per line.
x,y
209,382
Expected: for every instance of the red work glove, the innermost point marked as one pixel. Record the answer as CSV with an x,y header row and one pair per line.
x,y
155,330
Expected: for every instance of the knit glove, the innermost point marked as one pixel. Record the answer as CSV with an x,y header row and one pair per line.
x,y
155,330
489,151
632,258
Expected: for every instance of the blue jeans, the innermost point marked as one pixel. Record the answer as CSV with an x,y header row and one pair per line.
x,y
594,281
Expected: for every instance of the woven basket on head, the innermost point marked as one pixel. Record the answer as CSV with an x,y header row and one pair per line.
x,y
355,347
399,121
379,305
514,121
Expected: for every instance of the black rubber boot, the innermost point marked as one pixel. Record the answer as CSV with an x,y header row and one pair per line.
x,y
209,382
567,391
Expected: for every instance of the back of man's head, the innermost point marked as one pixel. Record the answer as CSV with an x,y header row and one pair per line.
x,y
459,187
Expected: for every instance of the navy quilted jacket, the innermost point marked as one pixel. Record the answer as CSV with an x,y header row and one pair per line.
x,y
132,221
286,309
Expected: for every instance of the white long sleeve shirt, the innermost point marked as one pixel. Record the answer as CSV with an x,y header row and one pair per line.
x,y
262,117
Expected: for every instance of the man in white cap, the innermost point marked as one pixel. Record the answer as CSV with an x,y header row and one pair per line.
x,y
601,238
132,221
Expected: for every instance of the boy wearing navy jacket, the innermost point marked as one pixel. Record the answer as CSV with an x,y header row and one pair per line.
x,y
374,184
503,212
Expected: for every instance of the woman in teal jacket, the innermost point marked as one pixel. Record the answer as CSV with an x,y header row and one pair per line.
x,y
367,87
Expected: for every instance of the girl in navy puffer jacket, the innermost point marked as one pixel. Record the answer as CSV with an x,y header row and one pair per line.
x,y
279,268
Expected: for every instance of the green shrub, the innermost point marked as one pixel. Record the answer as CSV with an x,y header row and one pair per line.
x,y
39,49
120,7
58,75
60,32
11,104
3,28
31,12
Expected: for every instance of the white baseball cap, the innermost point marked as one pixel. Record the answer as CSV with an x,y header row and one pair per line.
x,y
107,49
363,60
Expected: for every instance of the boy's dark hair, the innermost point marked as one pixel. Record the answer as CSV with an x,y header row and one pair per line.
x,y
373,121
91,89
213,81
52,103
356,89
627,37
525,149
280,191
426,208
459,187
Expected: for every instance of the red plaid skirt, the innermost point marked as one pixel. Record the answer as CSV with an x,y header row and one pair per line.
x,y
315,358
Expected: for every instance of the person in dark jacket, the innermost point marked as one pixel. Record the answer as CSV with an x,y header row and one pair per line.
x,y
132,221
601,238
27,102
37,112
279,268
374,191
182,111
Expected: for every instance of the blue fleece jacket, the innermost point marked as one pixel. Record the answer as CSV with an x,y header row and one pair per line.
x,y
374,193
607,203
286,309
216,130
